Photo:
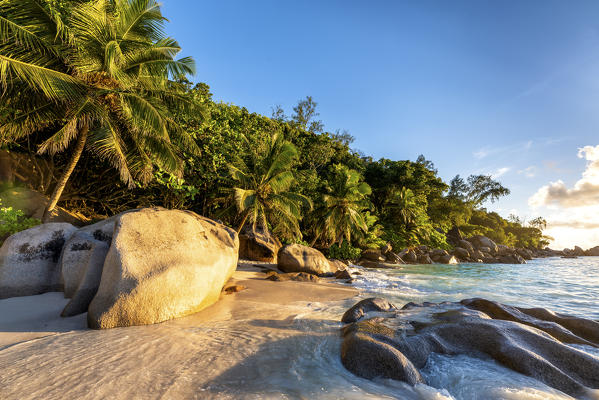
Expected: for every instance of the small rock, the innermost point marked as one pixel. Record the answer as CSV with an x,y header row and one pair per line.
x,y
343,274
233,289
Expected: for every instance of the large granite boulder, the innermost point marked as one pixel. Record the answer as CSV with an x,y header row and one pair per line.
x,y
83,264
447,259
466,245
162,264
88,245
510,259
480,242
424,259
300,258
258,245
525,254
461,253
396,344
29,260
410,257
372,255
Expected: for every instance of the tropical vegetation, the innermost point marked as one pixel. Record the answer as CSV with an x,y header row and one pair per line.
x,y
93,90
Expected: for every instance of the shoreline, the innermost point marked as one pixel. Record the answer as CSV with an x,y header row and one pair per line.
x,y
45,356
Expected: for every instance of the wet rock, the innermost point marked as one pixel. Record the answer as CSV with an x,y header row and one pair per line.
x,y
367,357
337,265
365,306
524,253
447,259
424,259
461,253
529,341
342,274
410,257
393,258
510,259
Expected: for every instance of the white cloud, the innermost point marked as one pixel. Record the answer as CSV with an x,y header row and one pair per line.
x,y
572,213
585,191
529,172
500,172
481,153
486,151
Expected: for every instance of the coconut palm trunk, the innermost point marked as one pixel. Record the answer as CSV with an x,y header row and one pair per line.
x,y
243,221
62,182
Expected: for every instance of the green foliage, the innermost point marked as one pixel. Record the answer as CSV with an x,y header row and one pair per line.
x,y
262,193
372,239
13,221
343,206
344,251
103,67
107,66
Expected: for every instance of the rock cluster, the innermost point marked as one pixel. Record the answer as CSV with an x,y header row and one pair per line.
x,y
139,267
390,344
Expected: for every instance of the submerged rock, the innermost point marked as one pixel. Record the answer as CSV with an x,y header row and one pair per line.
x,y
529,341
29,260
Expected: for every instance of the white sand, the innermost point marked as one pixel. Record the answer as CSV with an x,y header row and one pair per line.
x,y
251,344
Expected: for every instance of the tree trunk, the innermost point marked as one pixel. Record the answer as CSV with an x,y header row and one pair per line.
x,y
6,168
62,182
243,222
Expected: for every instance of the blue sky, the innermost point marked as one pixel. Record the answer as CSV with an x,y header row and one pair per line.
x,y
509,88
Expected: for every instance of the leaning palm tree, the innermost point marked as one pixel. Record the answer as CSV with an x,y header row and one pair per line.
x,y
101,78
263,193
343,211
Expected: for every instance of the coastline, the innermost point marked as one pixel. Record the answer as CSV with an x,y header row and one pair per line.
x,y
44,356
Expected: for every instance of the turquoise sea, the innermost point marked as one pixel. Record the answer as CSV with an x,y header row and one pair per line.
x,y
309,366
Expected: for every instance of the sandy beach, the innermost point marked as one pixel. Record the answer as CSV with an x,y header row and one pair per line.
x,y
220,352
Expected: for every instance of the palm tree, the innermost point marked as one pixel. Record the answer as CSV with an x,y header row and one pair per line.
x,y
263,193
407,210
402,205
342,213
103,76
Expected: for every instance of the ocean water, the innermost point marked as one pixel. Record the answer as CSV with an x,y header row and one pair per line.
x,y
312,368
562,285
297,357
569,286
308,366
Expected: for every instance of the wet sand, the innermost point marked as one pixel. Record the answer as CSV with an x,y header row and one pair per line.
x,y
225,351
